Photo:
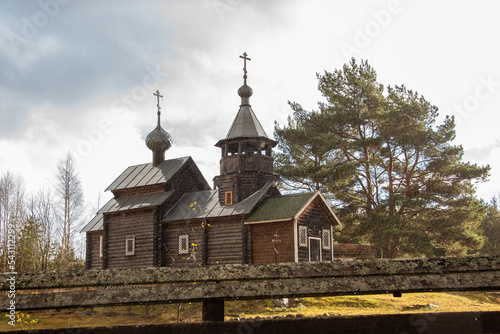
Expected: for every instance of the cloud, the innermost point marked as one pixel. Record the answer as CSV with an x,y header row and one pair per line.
x,y
481,154
83,53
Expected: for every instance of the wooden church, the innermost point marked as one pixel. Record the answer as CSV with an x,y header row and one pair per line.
x,y
164,213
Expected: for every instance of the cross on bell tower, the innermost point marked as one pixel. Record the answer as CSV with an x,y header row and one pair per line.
x,y
246,164
245,58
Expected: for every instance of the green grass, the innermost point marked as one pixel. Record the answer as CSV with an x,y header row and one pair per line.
x,y
333,306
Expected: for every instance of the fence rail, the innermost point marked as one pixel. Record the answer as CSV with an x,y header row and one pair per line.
x,y
212,285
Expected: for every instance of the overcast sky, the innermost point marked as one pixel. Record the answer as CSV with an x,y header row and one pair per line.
x,y
79,75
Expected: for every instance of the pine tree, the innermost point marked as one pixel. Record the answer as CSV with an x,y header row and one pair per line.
x,y
395,177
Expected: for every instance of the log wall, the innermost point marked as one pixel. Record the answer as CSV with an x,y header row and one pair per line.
x,y
225,241
170,247
138,224
316,218
94,260
242,184
263,245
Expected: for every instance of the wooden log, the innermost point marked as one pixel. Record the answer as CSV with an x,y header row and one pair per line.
x,y
273,288
213,310
335,269
427,323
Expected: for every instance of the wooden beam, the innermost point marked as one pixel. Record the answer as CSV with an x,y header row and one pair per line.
x,y
221,273
256,289
427,323
213,310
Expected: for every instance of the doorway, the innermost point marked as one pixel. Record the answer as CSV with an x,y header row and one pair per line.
x,y
315,249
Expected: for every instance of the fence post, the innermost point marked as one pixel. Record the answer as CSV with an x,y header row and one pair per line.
x,y
213,310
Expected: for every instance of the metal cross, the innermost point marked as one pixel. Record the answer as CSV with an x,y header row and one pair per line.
x,y
157,94
245,58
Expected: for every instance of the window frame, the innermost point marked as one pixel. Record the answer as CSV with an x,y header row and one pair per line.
x,y
101,238
230,202
127,251
181,239
300,240
326,245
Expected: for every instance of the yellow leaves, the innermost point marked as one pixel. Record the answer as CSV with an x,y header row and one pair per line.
x,y
194,245
192,205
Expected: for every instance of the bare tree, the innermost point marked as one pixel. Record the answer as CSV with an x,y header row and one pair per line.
x,y
70,203
41,210
11,208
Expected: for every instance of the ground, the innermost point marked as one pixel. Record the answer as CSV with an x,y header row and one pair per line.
x,y
308,307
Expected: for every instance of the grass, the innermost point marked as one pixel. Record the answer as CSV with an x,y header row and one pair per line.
x,y
332,306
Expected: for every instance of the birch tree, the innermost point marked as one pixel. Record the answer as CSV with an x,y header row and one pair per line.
x,y
69,204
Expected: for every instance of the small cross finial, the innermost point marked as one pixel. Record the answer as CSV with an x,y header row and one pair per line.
x,y
245,58
157,94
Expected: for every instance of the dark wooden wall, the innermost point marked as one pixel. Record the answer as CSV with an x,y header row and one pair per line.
x,y
316,218
132,223
94,261
221,242
263,246
170,245
225,241
242,184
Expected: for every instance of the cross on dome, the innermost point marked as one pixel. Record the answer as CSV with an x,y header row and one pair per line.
x,y
245,58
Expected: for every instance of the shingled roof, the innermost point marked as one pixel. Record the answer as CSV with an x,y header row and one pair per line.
x,y
285,207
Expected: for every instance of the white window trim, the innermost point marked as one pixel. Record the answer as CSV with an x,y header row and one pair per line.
x,y
132,252
181,238
328,244
100,246
301,243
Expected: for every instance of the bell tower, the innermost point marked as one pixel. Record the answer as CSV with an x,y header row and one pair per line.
x,y
246,164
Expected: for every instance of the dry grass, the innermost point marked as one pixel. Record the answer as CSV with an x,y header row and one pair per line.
x,y
345,305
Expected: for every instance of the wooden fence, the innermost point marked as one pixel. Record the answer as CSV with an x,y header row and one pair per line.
x,y
212,285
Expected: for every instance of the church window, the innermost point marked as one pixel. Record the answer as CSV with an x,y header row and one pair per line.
x,y
327,238
183,244
130,246
302,236
228,198
100,246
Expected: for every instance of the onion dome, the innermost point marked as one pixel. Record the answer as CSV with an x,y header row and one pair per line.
x,y
158,139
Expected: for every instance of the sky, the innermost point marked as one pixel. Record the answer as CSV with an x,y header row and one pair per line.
x,y
80,75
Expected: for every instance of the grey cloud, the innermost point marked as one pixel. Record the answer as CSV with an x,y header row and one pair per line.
x,y
94,50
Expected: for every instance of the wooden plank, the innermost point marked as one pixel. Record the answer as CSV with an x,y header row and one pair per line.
x,y
428,323
334,269
263,289
213,310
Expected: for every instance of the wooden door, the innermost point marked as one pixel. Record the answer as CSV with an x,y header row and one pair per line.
x,y
314,249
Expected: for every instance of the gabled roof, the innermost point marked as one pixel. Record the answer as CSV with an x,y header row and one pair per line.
x,y
286,207
123,203
208,206
147,174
